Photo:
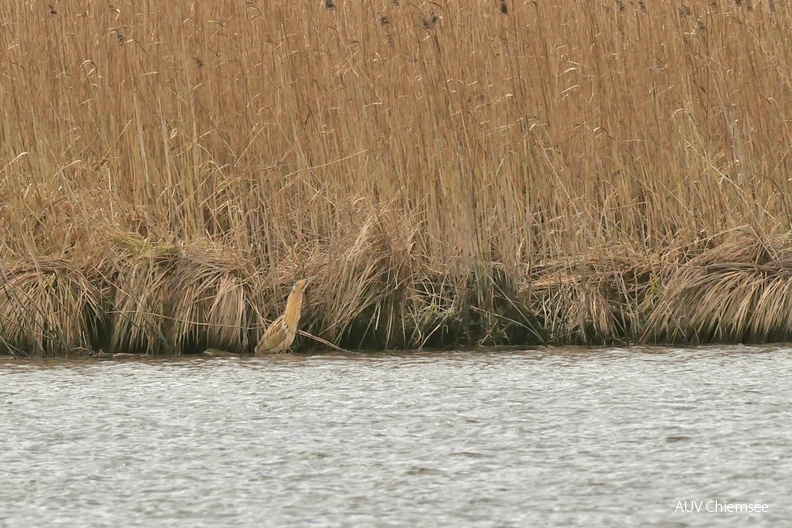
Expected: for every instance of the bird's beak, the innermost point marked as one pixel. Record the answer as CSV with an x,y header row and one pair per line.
x,y
309,279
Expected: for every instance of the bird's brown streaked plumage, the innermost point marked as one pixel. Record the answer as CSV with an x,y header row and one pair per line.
x,y
280,334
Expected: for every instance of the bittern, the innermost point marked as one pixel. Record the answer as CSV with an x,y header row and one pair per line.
x,y
280,334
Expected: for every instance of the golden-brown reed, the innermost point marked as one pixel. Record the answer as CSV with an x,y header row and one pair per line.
x,y
453,173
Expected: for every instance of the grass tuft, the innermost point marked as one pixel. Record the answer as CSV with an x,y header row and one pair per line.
x,y
49,309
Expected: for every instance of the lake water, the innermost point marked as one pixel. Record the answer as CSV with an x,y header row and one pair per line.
x,y
549,437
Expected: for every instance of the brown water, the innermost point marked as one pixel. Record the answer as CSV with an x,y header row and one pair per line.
x,y
552,437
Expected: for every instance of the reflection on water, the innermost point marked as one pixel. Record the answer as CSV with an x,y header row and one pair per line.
x,y
547,437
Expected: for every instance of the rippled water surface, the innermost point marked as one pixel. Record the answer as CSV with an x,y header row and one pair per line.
x,y
551,437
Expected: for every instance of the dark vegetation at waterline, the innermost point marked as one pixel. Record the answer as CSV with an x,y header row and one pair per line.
x,y
453,173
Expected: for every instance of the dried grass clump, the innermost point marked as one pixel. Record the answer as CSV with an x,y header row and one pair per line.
x,y
141,276
493,309
176,298
433,313
49,308
739,291
366,273
212,299
378,288
573,310
594,300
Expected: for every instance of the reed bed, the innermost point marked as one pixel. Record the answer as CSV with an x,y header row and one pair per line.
x,y
455,173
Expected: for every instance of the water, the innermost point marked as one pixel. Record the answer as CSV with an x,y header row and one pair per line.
x,y
486,439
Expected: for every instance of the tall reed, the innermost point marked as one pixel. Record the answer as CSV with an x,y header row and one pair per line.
x,y
454,173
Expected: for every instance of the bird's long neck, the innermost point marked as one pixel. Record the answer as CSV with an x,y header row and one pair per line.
x,y
293,307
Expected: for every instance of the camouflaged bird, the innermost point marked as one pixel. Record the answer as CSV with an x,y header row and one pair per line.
x,y
280,334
